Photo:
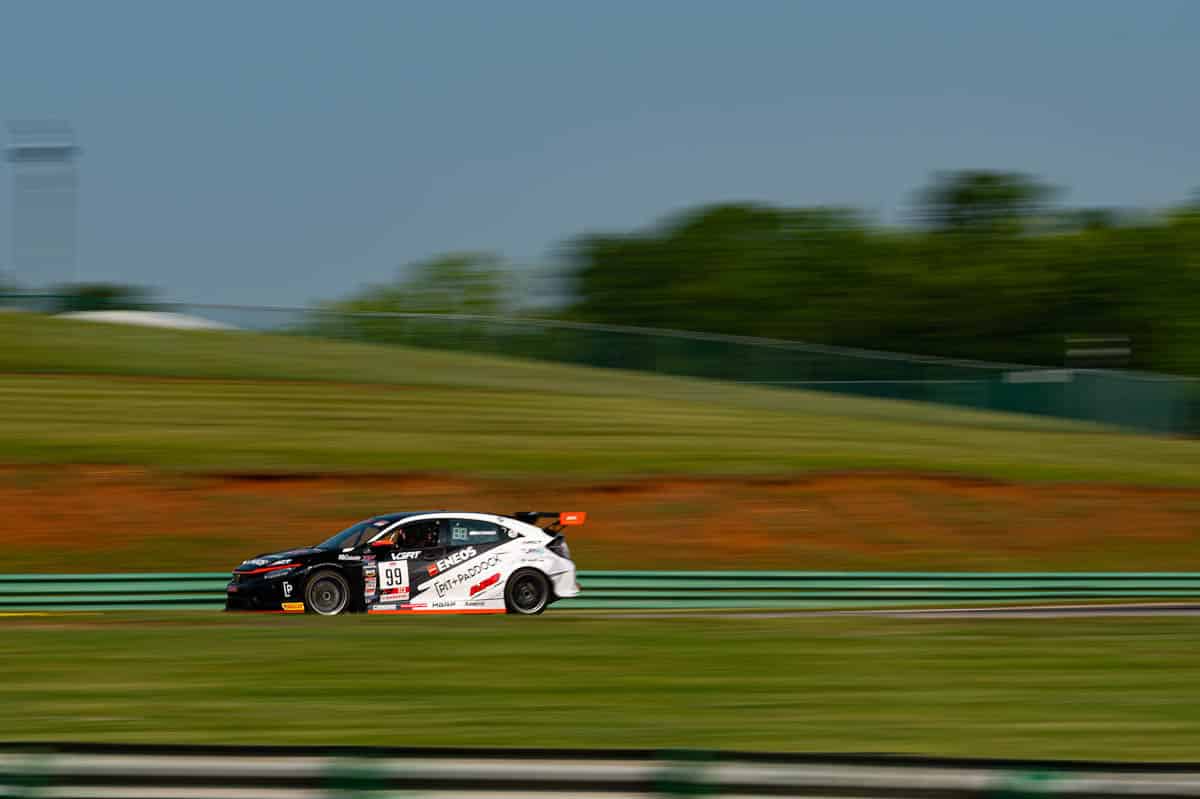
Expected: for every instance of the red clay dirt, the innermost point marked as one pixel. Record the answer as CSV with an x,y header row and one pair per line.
x,y
95,519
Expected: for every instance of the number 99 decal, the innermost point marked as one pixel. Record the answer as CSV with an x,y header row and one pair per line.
x,y
393,574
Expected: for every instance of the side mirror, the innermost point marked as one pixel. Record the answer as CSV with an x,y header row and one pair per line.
x,y
376,544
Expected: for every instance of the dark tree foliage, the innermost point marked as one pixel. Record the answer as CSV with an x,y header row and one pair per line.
x,y
102,297
995,272
982,201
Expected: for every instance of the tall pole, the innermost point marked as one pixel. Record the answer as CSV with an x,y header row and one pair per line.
x,y
45,203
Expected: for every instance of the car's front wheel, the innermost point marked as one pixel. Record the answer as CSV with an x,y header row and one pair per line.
x,y
527,593
327,593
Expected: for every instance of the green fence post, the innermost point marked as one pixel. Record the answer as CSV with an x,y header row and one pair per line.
x,y
685,773
353,778
29,779
1022,785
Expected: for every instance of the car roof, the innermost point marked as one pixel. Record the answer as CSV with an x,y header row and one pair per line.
x,y
400,515
395,517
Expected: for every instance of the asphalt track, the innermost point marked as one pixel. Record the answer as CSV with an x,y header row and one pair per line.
x,y
1049,611
993,612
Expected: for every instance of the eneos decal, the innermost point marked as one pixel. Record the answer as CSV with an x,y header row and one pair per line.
x,y
461,556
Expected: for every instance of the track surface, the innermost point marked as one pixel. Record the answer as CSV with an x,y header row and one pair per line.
x,y
1051,611
1008,612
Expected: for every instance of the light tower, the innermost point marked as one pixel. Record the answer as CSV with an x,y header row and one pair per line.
x,y
45,189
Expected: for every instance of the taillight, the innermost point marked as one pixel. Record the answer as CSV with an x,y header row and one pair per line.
x,y
559,547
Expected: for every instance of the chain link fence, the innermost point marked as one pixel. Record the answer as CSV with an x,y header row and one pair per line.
x,y
1136,400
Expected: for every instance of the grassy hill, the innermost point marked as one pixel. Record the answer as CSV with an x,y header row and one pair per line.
x,y
232,401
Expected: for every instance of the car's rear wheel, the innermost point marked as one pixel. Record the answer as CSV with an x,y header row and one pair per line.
x,y
327,593
527,593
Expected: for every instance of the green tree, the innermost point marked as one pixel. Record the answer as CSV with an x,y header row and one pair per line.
x,y
454,283
982,200
101,297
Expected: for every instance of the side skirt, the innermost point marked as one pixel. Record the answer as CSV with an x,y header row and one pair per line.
x,y
429,611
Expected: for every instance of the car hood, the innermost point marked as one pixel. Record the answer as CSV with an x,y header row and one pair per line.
x,y
268,558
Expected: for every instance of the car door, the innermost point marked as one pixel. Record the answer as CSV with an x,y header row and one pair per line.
x,y
468,567
404,562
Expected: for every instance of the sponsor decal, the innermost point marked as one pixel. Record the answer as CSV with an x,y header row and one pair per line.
x,y
459,532
416,553
268,570
293,607
287,589
475,603
231,589
512,533
464,576
368,558
462,556
383,607
485,584
349,557
443,603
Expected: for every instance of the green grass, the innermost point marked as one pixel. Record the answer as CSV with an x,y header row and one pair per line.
x,y
1104,688
275,403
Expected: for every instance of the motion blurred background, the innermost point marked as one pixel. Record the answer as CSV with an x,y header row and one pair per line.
x,y
779,287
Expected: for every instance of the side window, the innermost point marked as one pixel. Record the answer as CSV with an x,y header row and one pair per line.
x,y
465,532
364,535
418,535
387,538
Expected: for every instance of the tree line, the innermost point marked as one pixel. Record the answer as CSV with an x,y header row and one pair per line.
x,y
992,268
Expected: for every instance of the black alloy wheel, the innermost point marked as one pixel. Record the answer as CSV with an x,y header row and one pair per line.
x,y
527,593
327,593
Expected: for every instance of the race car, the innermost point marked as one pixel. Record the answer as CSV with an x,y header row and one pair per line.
x,y
418,562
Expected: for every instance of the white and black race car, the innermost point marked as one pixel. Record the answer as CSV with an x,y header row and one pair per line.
x,y
418,562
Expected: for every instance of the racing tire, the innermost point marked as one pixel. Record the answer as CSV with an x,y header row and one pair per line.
x,y
327,593
527,593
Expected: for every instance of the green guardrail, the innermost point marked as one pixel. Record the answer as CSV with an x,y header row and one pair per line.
x,y
69,770
653,589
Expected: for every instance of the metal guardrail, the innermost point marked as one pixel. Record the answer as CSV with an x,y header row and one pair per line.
x,y
652,589
70,771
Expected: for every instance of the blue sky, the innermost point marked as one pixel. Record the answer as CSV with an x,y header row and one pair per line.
x,y
283,152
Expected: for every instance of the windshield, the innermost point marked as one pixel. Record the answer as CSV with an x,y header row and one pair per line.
x,y
352,536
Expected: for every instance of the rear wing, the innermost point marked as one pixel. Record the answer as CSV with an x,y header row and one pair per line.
x,y
561,518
